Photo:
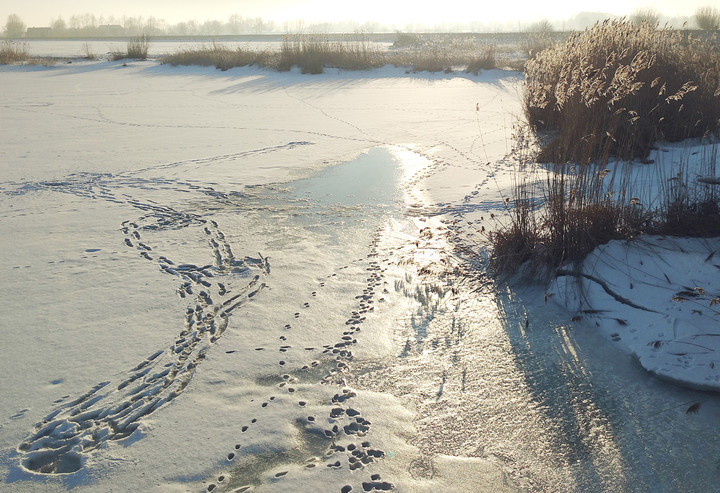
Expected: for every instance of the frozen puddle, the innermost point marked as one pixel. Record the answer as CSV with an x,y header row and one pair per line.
x,y
370,181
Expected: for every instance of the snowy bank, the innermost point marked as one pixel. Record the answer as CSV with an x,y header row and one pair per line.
x,y
656,296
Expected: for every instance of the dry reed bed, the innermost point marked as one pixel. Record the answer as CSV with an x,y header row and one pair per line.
x,y
13,52
608,95
615,89
312,54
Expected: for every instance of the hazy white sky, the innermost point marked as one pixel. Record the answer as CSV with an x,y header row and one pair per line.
x,y
40,12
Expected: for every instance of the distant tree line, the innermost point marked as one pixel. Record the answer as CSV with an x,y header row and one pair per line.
x,y
89,25
706,18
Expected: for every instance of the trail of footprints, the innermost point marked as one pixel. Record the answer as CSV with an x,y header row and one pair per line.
x,y
344,427
112,410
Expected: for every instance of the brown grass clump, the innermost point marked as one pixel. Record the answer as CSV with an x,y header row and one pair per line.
x,y
618,87
137,48
694,219
485,59
562,212
587,206
444,53
219,56
691,207
313,52
13,52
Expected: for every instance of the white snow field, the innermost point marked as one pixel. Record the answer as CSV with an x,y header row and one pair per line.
x,y
260,281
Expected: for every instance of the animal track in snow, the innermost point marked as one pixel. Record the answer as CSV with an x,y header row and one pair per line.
x,y
341,423
113,410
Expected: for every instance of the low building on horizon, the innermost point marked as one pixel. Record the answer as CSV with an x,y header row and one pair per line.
x,y
38,32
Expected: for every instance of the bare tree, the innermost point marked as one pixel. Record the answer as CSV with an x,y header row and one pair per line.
x,y
212,27
188,28
83,24
708,18
647,15
14,27
539,37
154,26
133,25
541,26
58,25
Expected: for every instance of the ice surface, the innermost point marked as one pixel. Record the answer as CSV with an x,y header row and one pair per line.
x,y
252,281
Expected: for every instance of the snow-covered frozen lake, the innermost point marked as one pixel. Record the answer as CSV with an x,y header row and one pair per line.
x,y
253,281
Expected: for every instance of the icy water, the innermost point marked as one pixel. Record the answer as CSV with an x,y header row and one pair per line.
x,y
348,337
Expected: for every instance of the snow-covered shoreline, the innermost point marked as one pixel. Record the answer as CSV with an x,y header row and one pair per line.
x,y
657,297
